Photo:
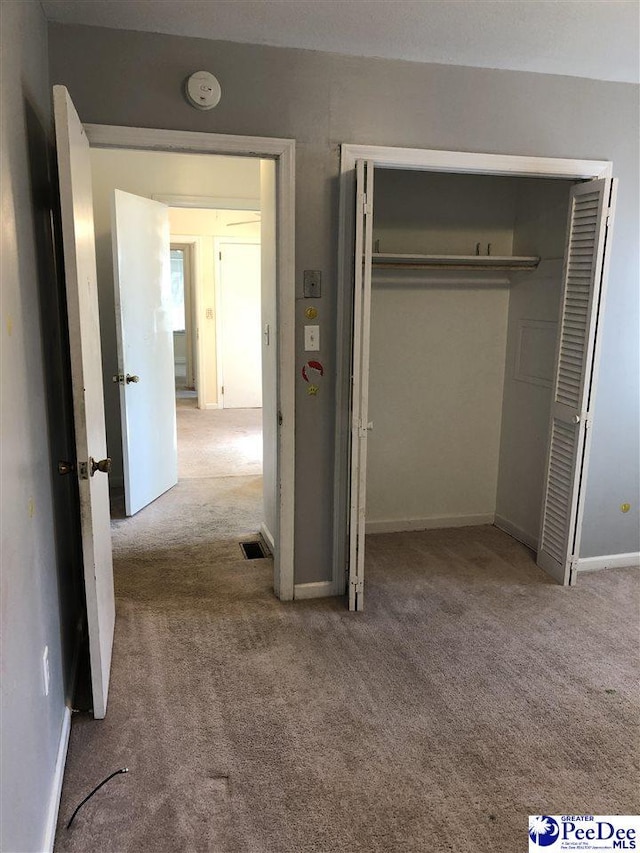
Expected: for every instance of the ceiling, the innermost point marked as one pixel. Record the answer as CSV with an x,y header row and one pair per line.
x,y
583,38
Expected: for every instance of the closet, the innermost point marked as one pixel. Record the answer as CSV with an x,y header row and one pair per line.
x,y
456,342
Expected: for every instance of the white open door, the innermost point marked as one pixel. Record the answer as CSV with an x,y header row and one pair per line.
x,y
76,203
142,284
585,270
360,381
239,327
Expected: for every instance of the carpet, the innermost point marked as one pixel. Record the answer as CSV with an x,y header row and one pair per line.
x,y
470,693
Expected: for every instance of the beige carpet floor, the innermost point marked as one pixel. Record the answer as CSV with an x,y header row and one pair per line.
x,y
218,442
471,693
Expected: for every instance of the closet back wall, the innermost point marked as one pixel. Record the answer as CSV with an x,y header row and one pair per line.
x,y
431,213
437,354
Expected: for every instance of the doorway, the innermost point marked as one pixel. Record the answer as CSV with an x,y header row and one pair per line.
x,y
274,177
206,322
590,208
184,322
73,142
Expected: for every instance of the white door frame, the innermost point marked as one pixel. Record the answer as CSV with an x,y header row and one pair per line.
x,y
194,242
217,243
433,160
283,152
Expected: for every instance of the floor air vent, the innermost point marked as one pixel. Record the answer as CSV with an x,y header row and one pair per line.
x,y
253,550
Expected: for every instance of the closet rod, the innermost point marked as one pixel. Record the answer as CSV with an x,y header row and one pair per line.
x,y
452,262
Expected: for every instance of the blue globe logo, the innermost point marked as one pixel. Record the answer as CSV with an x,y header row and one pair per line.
x,y
543,830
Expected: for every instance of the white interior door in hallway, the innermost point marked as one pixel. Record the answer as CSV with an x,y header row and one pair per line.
x,y
142,279
239,325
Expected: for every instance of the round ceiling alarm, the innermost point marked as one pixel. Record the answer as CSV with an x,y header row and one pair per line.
x,y
203,90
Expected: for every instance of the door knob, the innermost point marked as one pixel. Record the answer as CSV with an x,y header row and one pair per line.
x,y
103,465
120,378
66,467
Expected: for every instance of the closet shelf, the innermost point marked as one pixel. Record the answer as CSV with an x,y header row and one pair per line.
x,y
504,263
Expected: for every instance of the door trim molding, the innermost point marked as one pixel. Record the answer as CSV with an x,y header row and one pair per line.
x,y
283,152
434,160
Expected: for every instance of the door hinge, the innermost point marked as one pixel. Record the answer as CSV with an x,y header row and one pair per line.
x,y
222,389
358,585
219,256
363,430
587,418
573,569
279,418
366,207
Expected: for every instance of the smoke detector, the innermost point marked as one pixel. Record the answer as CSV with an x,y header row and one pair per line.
x,y
202,90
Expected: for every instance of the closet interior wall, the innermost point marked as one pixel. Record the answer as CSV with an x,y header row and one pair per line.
x,y
449,446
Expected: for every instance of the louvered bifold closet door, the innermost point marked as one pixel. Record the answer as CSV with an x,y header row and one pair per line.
x,y
360,381
590,214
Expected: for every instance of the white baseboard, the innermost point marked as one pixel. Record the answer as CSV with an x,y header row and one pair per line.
x,y
320,589
212,406
56,789
610,561
432,522
517,532
268,538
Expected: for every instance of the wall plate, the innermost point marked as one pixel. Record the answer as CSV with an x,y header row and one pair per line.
x,y
312,284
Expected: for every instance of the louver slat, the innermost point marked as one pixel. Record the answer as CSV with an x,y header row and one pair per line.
x,y
561,477
577,299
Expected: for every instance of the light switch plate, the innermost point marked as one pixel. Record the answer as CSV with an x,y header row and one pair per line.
x,y
311,338
312,284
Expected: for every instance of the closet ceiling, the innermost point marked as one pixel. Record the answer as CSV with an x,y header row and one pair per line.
x,y
582,38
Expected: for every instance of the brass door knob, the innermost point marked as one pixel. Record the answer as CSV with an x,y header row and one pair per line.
x,y
103,465
129,378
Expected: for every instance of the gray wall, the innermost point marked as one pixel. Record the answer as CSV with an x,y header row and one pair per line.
x,y
429,213
39,556
323,100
